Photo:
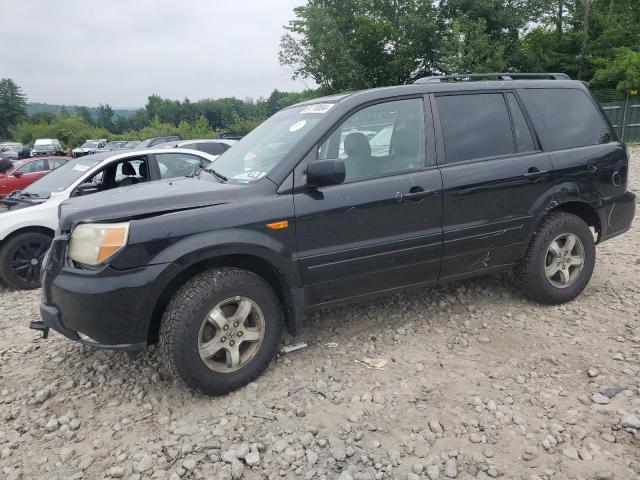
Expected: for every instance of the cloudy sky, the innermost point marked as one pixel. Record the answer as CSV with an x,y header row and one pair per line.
x,y
119,52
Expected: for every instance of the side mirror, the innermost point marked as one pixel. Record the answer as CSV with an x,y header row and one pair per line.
x,y
17,174
85,189
322,173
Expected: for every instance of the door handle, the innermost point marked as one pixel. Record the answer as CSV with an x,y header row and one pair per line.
x,y
535,173
592,168
415,195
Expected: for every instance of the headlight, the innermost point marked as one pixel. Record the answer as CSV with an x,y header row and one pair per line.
x,y
95,243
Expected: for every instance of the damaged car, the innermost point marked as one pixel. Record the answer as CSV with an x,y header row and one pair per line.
x,y
468,175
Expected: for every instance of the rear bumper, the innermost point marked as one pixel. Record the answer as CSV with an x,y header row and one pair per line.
x,y
616,215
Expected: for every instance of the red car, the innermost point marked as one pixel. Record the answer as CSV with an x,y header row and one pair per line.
x,y
24,172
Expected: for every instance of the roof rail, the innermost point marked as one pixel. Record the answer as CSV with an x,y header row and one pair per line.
x,y
496,76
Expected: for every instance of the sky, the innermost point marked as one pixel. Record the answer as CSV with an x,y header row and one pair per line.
x,y
87,52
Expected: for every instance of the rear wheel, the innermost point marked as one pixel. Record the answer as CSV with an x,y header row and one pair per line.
x,y
21,259
559,260
221,329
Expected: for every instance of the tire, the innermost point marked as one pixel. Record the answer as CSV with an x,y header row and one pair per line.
x,y
185,332
21,259
536,270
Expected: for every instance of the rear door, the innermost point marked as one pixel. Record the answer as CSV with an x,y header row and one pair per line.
x,y
381,228
496,179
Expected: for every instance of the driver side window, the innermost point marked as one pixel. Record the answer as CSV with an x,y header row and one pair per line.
x,y
381,139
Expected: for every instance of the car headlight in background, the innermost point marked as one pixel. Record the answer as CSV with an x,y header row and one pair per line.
x,y
95,243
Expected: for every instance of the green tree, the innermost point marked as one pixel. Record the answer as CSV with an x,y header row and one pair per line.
x,y
85,114
104,117
42,117
353,44
622,73
13,105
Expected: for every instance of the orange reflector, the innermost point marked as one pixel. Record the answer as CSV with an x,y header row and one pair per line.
x,y
278,225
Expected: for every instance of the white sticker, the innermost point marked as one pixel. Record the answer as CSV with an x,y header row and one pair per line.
x,y
317,108
297,126
80,168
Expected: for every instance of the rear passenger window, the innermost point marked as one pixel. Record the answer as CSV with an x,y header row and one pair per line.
x,y
213,148
569,116
475,126
524,140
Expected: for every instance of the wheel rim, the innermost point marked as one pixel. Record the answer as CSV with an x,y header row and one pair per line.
x,y
231,334
27,259
564,260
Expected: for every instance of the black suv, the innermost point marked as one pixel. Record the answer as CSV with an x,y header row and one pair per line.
x,y
337,199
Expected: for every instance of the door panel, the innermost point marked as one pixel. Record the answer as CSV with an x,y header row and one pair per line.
x,y
363,237
489,205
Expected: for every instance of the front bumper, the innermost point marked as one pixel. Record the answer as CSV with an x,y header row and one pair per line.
x,y
105,308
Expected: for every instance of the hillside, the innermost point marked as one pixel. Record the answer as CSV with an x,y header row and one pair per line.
x,y
33,107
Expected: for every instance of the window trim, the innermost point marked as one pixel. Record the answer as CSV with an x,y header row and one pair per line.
x,y
441,154
299,171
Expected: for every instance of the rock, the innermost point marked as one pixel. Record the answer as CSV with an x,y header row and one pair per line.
x,y
66,454
483,339
433,472
43,395
74,424
600,399
571,453
412,476
435,426
312,457
593,372
631,421
618,356
345,475
144,464
52,425
417,468
116,472
337,448
475,437
451,468
585,455
237,469
611,391
252,458
189,464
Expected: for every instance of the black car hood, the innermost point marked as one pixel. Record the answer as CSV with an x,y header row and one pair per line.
x,y
148,199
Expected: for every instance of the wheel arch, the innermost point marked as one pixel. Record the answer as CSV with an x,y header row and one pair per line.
x,y
583,210
250,262
30,229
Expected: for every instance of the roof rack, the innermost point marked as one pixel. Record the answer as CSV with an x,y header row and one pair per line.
x,y
496,76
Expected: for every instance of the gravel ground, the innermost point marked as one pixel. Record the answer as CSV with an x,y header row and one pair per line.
x,y
479,383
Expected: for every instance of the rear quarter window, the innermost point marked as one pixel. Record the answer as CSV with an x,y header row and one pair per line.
x,y
568,116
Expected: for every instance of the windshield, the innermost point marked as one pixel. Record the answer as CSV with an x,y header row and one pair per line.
x,y
44,148
89,145
62,177
256,154
145,143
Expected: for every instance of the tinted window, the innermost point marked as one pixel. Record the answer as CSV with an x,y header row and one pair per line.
x,y
569,116
213,148
33,167
178,164
380,139
524,140
474,126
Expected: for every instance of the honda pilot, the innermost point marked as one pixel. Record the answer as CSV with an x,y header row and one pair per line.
x,y
339,199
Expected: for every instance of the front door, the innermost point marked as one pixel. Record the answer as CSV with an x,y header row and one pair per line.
x,y
381,228
496,181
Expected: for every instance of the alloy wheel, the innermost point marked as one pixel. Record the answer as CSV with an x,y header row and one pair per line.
x,y
564,261
231,334
27,260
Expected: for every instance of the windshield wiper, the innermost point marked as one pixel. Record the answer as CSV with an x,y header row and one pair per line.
x,y
214,173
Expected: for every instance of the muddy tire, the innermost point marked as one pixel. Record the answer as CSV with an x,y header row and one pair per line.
x,y
559,261
221,329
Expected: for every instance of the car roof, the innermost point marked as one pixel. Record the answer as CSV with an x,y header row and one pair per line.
x,y
425,87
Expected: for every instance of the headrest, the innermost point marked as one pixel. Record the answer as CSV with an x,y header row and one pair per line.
x,y
357,145
127,169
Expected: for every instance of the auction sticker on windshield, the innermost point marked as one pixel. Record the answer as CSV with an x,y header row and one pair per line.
x,y
317,108
81,168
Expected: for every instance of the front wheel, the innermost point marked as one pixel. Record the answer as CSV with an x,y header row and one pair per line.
x,y
21,259
221,329
559,260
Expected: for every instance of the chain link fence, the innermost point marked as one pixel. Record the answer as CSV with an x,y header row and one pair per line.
x,y
623,111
